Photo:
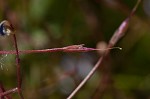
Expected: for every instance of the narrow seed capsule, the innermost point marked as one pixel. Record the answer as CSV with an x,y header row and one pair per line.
x,y
6,28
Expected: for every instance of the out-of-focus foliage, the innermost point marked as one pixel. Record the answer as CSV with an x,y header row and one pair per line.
x,y
42,24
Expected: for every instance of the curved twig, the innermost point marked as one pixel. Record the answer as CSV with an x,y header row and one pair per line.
x,y
117,35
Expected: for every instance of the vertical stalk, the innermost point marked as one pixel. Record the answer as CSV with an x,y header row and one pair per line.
x,y
18,68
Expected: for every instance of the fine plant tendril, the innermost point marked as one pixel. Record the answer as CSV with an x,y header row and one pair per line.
x,y
2,60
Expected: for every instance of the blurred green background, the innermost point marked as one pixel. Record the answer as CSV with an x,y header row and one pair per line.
x,y
43,24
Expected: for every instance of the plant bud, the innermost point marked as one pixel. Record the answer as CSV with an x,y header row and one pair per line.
x,y
6,28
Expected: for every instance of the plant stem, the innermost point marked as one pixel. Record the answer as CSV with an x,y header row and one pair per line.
x,y
86,78
85,49
9,92
114,39
18,68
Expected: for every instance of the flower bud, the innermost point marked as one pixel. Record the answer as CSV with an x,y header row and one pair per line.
x,y
6,28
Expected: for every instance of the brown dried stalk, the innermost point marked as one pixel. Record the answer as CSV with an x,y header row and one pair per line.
x,y
117,35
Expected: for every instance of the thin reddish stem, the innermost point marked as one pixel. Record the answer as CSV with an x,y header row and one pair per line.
x,y
9,92
114,39
2,90
86,78
63,49
18,68
17,63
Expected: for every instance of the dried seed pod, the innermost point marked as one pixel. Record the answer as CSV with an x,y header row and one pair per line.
x,y
6,28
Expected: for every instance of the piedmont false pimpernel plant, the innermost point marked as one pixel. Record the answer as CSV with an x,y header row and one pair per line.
x,y
7,29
